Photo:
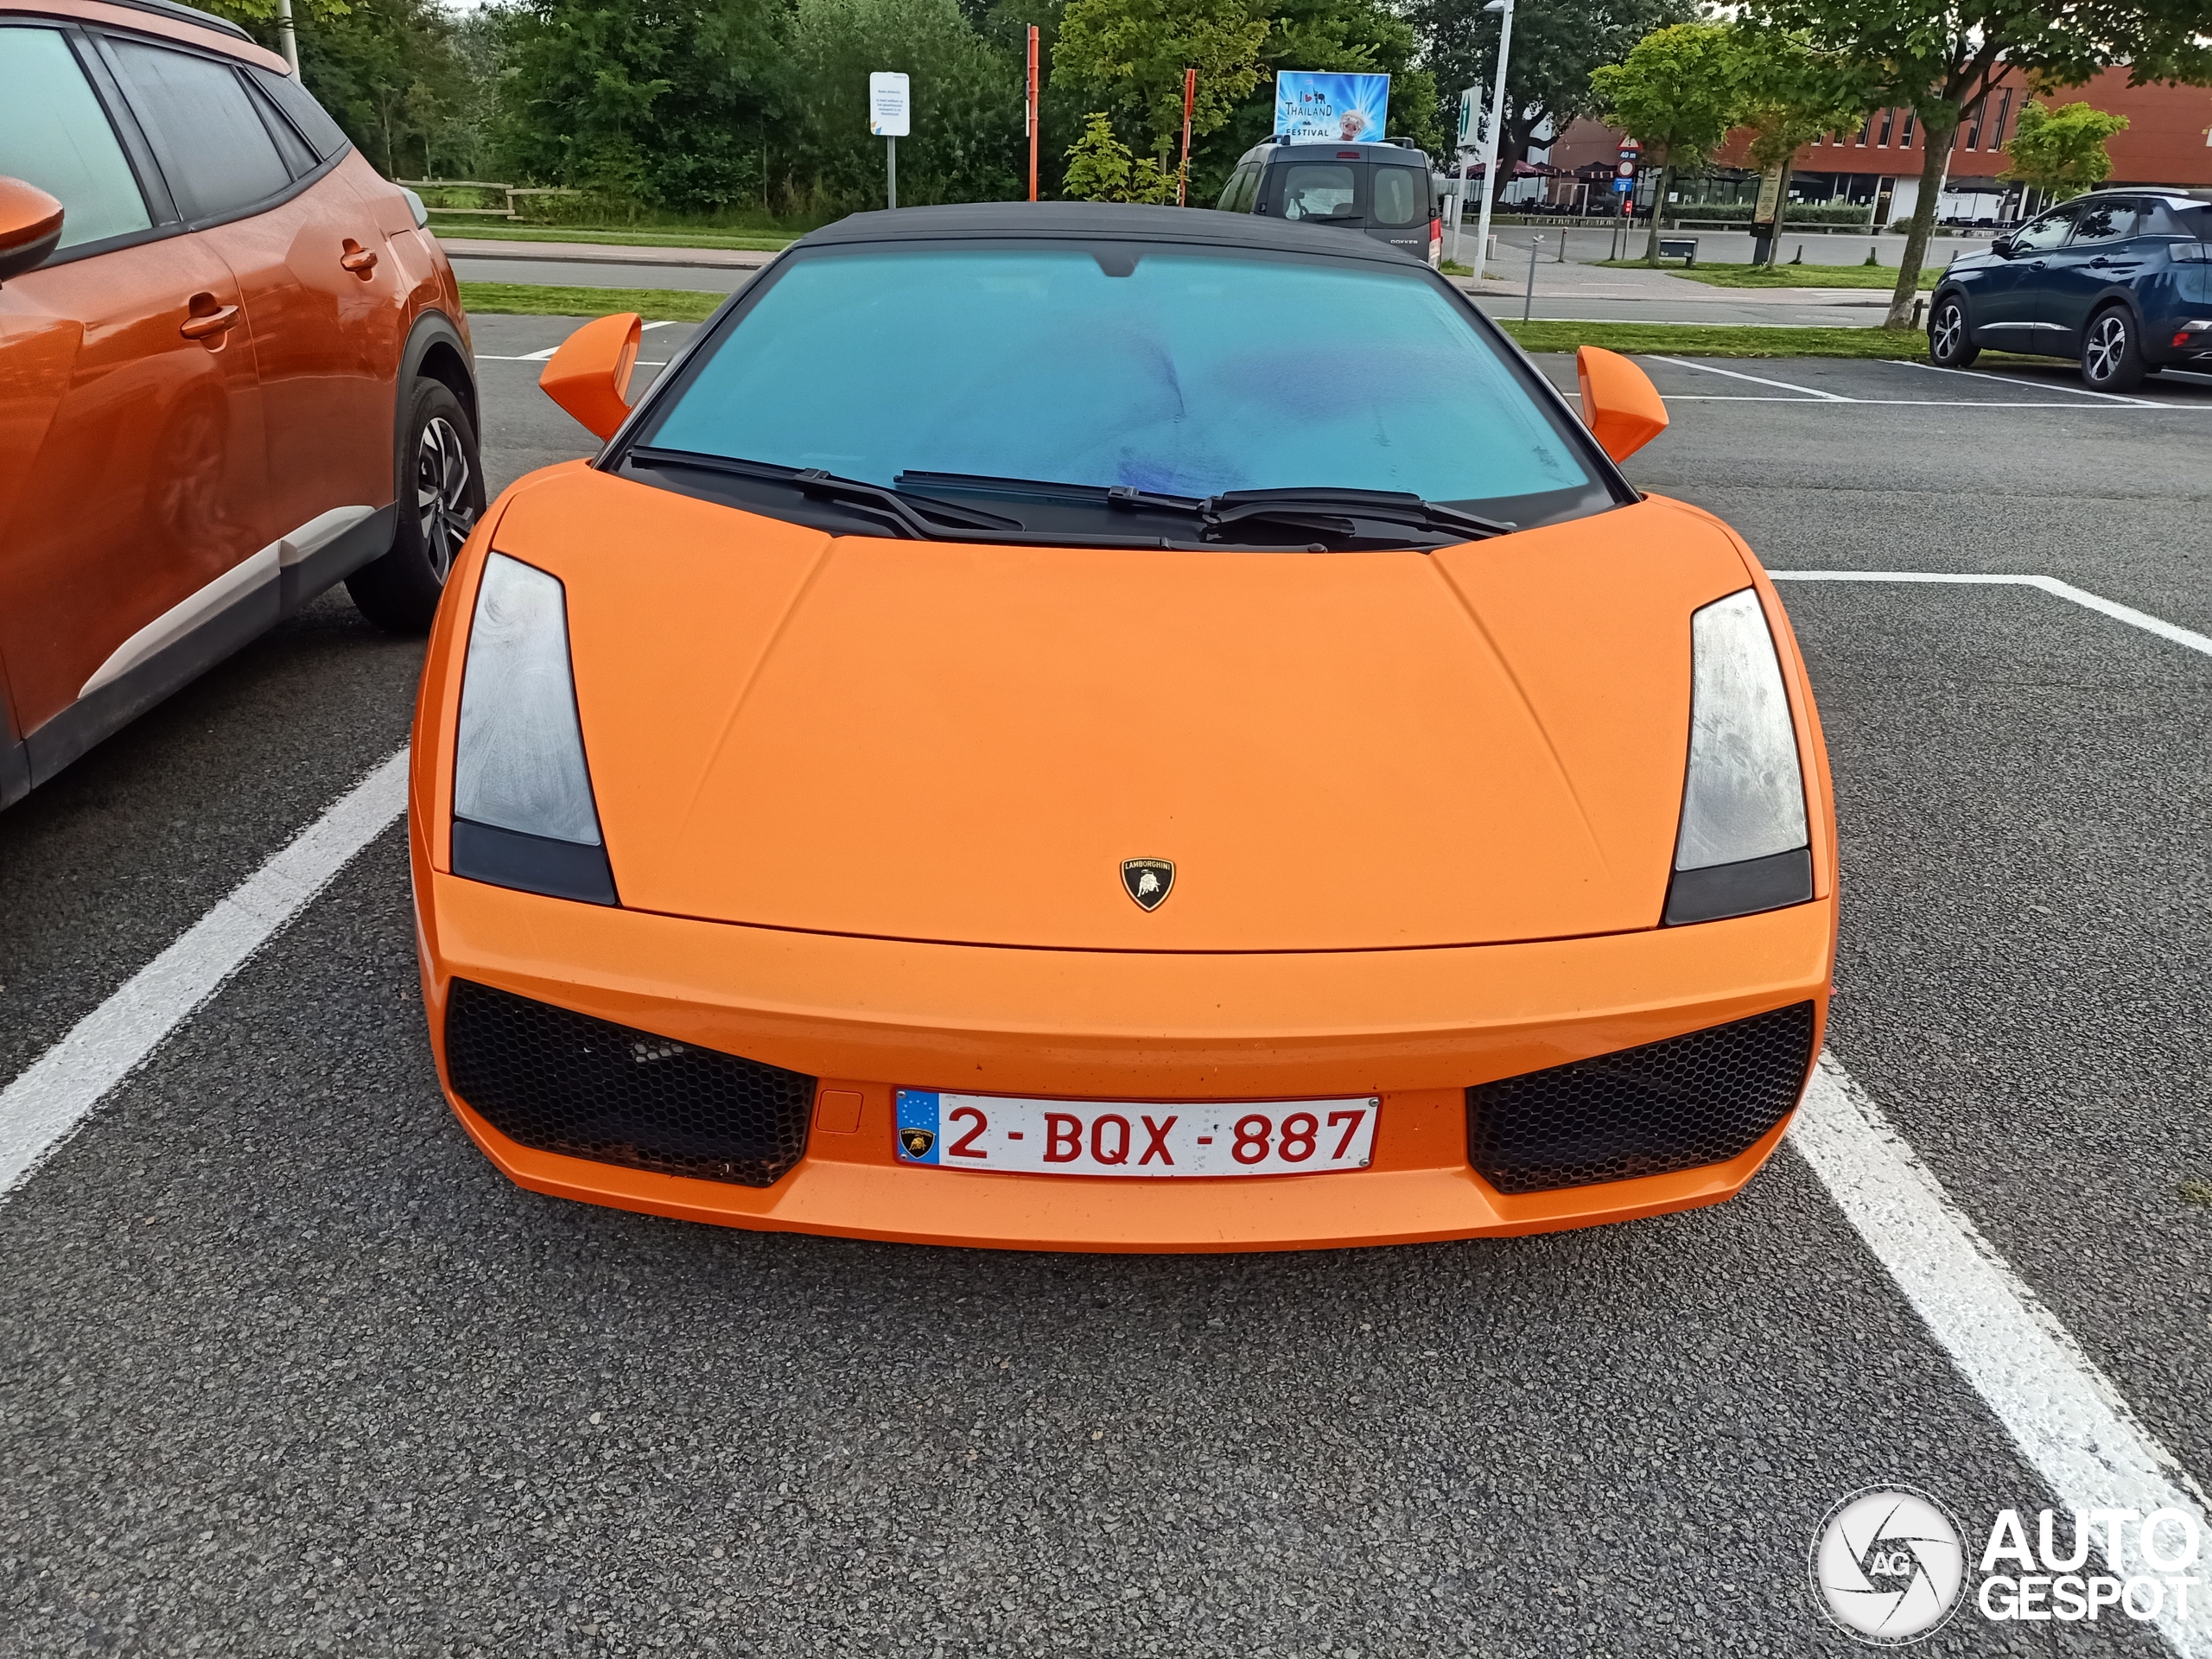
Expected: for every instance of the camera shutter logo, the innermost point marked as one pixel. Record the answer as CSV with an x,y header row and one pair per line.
x,y
1887,1566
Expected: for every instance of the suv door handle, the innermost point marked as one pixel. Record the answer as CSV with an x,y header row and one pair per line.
x,y
357,259
208,318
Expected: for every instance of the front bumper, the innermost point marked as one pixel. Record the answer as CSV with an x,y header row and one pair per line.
x,y
866,1016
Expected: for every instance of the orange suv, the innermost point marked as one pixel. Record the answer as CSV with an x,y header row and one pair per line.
x,y
234,369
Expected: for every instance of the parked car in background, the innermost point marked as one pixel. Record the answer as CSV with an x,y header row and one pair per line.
x,y
1387,189
234,370
2119,280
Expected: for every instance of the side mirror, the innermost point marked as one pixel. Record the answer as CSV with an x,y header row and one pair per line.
x,y
1620,405
2002,246
30,228
589,376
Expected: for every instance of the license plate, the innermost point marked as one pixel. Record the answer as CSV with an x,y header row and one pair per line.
x,y
1135,1138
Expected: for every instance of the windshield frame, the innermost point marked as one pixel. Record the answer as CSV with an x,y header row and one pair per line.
x,y
686,367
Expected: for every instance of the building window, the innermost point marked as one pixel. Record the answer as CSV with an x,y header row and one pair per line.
x,y
1904,139
1974,126
2003,114
1865,132
1888,121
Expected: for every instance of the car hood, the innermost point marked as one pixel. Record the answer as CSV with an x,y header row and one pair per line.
x,y
932,740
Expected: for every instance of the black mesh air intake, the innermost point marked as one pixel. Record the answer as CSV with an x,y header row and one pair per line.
x,y
1702,1098
567,1083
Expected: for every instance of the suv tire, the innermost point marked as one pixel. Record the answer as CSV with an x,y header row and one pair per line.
x,y
2112,351
441,498
1950,342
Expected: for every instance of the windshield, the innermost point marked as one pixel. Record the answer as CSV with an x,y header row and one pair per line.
x,y
1190,374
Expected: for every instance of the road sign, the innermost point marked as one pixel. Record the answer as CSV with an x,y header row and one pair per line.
x,y
1630,150
1621,187
1625,169
1470,115
888,104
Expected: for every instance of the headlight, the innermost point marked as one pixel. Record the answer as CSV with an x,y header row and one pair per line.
x,y
1743,846
523,809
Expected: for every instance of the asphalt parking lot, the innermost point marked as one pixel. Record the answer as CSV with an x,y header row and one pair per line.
x,y
286,1366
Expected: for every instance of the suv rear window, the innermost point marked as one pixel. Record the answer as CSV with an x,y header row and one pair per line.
x,y
309,117
213,147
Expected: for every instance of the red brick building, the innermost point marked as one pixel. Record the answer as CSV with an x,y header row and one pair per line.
x,y
2168,142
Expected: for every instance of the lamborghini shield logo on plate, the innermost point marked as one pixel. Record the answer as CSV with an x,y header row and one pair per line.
x,y
1147,880
918,1142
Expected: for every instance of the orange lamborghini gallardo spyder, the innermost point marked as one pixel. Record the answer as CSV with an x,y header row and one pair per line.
x,y
1083,728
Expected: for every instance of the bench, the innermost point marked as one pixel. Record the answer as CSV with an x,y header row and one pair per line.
x,y
1684,248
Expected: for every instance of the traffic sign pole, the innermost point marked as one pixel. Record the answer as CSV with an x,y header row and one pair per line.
x,y
889,117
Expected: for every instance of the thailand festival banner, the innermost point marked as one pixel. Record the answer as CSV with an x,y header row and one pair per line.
x,y
1312,108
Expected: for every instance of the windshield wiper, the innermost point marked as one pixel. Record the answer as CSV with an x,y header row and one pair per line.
x,y
1345,520
921,517
1337,514
1110,495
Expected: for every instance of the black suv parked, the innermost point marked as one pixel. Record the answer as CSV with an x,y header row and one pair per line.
x,y
1387,189
2120,280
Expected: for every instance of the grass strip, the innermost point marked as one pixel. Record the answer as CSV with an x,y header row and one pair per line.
x,y
500,230
1883,277
537,300
1697,339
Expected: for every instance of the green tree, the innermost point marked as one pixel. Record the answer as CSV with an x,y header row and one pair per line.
x,y
2062,150
966,144
1942,64
1556,46
1678,92
389,71
665,104
1135,52
1101,169
1792,94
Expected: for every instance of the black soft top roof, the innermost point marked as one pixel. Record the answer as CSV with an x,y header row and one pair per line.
x,y
1103,222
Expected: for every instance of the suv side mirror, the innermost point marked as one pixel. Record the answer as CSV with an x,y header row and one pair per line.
x,y
1620,405
2002,247
30,228
589,376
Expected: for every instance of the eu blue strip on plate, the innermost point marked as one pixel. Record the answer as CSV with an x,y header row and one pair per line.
x,y
918,1130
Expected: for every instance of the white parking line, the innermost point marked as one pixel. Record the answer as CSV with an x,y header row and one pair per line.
x,y
1910,403
2060,1409
2065,590
2014,380
1756,380
43,1105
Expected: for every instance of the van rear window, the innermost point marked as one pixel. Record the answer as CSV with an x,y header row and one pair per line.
x,y
1320,190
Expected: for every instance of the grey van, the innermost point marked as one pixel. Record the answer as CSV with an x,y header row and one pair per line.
x,y
1387,189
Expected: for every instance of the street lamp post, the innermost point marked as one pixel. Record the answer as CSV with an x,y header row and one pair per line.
x,y
1490,137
